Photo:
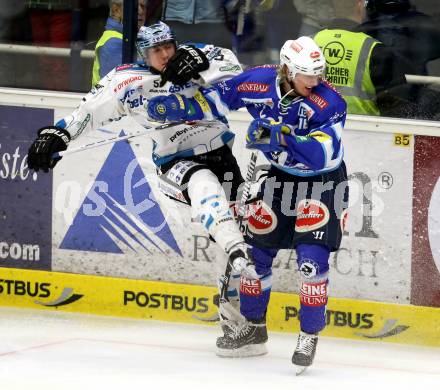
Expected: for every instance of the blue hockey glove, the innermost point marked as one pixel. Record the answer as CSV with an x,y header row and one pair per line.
x,y
172,108
265,135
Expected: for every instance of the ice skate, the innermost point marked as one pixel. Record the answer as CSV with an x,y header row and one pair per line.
x,y
304,351
243,339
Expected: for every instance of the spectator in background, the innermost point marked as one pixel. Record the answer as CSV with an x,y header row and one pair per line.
x,y
108,50
153,11
13,28
244,20
282,22
197,21
10,14
414,36
315,14
51,25
397,24
359,66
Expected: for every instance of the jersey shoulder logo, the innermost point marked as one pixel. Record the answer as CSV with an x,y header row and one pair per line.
x,y
318,100
253,87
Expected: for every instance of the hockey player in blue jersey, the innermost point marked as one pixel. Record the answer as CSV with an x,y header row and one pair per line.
x,y
298,124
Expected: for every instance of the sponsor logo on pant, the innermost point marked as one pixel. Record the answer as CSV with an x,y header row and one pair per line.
x,y
250,287
313,294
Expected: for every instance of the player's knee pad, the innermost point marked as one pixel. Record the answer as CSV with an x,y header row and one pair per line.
x,y
255,293
312,261
313,268
211,208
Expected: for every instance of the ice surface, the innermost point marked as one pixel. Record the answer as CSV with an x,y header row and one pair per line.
x,y
56,350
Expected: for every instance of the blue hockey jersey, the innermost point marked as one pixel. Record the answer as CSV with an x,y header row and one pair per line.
x,y
316,122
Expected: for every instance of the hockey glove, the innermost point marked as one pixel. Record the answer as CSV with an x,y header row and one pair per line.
x,y
185,65
241,260
265,135
50,139
172,108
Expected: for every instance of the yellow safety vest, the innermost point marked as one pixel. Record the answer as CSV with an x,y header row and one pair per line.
x,y
108,34
347,55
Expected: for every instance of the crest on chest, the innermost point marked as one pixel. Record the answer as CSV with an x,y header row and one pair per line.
x,y
305,112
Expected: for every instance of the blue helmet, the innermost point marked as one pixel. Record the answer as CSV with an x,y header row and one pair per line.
x,y
154,35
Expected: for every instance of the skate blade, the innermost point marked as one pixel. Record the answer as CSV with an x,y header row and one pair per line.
x,y
300,369
246,351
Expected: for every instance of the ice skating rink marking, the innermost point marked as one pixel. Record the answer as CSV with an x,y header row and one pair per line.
x,y
210,351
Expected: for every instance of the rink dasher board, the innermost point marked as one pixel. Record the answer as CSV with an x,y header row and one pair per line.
x,y
370,259
375,265
346,318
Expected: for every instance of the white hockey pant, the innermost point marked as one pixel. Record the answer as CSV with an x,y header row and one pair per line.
x,y
210,207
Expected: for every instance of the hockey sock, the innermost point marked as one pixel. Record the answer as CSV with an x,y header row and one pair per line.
x,y
313,267
255,293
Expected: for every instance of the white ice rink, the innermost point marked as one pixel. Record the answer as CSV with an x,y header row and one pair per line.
x,y
55,350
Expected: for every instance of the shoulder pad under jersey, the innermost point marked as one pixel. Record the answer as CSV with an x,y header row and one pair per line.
x,y
199,45
132,67
270,66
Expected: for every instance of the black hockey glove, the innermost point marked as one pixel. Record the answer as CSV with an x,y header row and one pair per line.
x,y
185,65
50,139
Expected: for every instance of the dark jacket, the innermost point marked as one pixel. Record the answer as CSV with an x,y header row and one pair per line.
x,y
414,35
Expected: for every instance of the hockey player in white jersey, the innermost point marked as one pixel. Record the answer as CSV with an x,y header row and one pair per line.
x,y
192,158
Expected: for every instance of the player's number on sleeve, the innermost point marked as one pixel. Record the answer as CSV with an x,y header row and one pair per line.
x,y
403,140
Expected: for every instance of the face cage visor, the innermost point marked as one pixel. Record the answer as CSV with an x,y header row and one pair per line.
x,y
142,47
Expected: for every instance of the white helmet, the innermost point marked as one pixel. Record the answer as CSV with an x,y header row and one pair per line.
x,y
302,56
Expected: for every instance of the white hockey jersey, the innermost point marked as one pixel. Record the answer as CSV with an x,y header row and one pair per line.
x,y
126,90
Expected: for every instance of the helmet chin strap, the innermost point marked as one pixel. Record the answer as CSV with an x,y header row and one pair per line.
x,y
285,80
288,93
292,89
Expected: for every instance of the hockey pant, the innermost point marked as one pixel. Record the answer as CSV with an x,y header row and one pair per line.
x,y
196,180
313,266
210,207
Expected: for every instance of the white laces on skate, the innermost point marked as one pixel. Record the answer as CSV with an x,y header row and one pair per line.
x,y
241,330
305,344
304,351
245,339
